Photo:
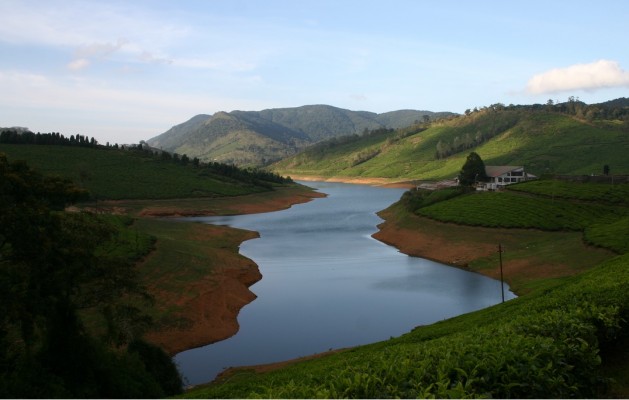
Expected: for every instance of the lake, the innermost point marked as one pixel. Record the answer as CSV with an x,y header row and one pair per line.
x,y
328,284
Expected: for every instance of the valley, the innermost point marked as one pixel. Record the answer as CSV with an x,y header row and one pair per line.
x,y
564,241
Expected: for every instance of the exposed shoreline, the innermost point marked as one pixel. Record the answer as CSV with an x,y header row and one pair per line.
x,y
459,246
430,247
384,182
216,320
210,306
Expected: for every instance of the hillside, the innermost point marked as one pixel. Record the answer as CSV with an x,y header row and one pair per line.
x,y
254,138
541,139
110,173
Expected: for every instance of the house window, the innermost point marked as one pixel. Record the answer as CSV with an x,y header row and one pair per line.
x,y
517,173
499,179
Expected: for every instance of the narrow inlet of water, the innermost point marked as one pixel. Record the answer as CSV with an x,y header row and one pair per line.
x,y
327,284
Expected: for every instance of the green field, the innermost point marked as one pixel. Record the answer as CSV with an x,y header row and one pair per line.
x,y
544,142
120,174
593,192
599,210
511,210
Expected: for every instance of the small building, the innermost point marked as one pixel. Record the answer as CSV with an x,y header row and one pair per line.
x,y
500,176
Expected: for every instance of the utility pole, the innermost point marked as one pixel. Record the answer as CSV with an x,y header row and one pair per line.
x,y
502,287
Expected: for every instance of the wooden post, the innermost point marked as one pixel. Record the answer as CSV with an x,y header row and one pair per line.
x,y
502,287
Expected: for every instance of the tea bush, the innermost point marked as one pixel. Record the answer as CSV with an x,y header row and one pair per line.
x,y
510,210
614,235
599,192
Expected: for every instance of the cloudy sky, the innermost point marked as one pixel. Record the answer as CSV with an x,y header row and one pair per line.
x,y
123,71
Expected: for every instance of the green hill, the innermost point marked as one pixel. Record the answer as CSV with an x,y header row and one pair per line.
x,y
541,139
260,137
110,173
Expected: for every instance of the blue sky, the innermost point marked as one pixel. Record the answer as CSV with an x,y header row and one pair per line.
x,y
123,71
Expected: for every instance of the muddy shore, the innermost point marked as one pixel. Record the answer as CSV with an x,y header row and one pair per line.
x,y
209,307
210,314
464,246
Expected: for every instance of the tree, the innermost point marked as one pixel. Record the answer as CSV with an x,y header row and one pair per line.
x,y
606,169
472,171
50,269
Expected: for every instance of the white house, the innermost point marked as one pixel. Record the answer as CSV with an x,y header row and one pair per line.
x,y
502,175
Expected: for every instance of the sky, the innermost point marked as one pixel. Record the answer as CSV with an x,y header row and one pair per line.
x,y
125,71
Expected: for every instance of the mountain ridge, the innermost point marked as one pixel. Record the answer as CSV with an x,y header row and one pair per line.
x,y
255,138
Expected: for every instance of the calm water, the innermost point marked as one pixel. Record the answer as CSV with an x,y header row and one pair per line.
x,y
328,284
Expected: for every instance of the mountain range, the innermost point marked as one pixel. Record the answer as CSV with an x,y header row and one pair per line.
x,y
258,138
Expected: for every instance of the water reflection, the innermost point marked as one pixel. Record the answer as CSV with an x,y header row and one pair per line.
x,y
327,284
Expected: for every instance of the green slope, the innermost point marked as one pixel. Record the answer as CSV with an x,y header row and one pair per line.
x,y
542,141
259,137
121,174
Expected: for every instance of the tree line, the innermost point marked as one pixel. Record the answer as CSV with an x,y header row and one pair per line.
x,y
22,136
617,109
255,176
250,175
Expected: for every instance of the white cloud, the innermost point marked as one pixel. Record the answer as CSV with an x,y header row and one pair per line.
x,y
78,64
95,30
82,105
596,75
99,49
148,57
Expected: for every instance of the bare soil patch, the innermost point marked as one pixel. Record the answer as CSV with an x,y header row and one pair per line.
x,y
432,245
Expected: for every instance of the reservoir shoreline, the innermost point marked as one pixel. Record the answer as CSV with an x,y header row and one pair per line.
x,y
213,313
344,269
207,308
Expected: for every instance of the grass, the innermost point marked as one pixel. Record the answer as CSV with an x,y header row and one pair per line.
x,y
614,235
531,257
185,254
510,210
594,192
543,142
281,197
598,210
120,174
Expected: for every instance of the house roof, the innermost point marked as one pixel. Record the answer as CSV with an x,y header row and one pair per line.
x,y
493,171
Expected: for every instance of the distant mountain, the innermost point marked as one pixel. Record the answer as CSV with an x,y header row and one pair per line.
x,y
255,138
621,102
179,131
